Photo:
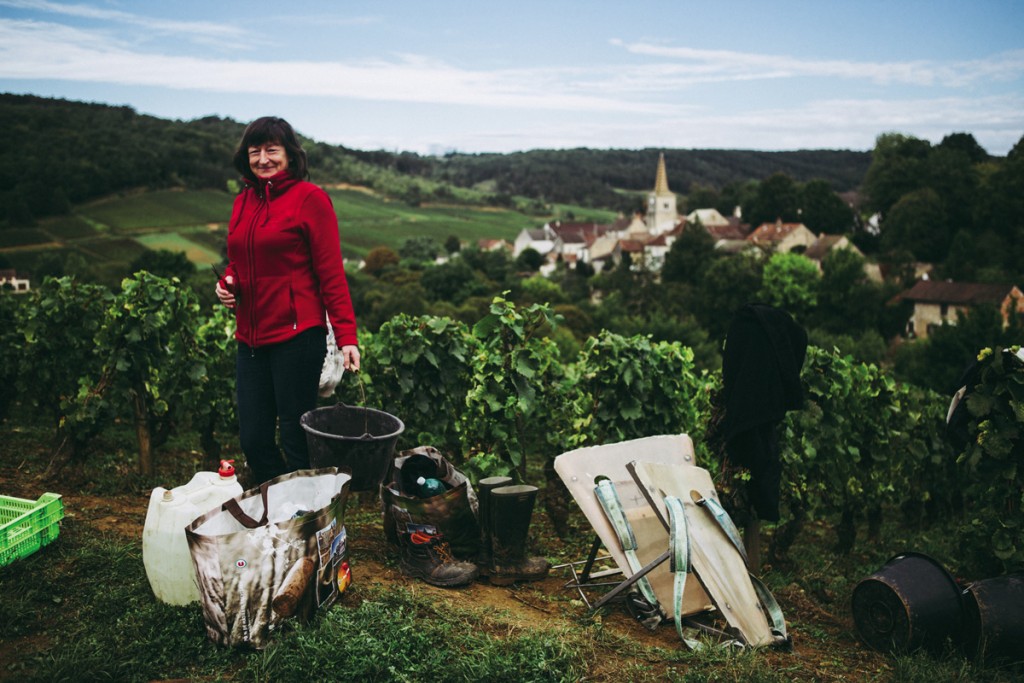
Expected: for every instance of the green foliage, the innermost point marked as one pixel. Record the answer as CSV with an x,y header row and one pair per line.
x,y
10,346
151,361
993,463
918,223
211,398
626,388
169,264
939,361
420,249
727,285
822,210
690,256
421,371
863,440
778,197
57,327
790,282
514,388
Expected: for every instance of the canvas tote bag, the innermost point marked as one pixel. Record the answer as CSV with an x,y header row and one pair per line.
x,y
275,552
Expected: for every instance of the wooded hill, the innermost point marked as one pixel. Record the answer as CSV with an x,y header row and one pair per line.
x,y
63,152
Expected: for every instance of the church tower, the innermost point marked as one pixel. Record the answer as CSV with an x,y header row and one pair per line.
x,y
661,203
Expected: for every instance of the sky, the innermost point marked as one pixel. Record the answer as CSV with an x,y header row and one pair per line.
x,y
443,76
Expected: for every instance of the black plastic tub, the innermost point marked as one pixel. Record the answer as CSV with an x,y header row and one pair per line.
x,y
994,620
911,603
360,440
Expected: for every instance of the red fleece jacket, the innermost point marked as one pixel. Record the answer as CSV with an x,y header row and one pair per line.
x,y
284,254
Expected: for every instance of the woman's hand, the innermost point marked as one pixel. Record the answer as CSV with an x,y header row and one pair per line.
x,y
226,293
350,357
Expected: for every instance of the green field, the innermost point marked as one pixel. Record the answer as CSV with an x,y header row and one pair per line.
x,y
116,230
367,221
172,241
151,211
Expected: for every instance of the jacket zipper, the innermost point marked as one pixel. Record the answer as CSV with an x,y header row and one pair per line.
x,y
264,203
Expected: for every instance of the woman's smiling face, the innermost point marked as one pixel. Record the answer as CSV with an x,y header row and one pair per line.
x,y
268,159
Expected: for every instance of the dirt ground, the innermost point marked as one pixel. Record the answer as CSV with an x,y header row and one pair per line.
x,y
825,644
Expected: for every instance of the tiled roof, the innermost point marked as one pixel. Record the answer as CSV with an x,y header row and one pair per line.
x,y
962,293
821,246
773,232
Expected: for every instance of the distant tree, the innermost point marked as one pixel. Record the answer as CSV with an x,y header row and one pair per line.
x,y
689,256
379,259
955,178
454,282
494,265
701,197
583,270
1002,214
728,283
790,281
165,263
918,224
540,290
420,249
777,197
452,244
822,210
736,194
962,260
848,303
965,142
897,168
529,260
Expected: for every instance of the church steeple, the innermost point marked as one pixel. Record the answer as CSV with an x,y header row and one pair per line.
x,y
661,180
661,203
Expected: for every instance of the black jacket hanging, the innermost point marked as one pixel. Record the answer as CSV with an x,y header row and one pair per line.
x,y
764,352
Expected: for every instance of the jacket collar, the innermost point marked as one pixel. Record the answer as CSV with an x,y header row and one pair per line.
x,y
277,183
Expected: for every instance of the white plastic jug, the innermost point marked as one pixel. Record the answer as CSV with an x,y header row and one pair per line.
x,y
165,551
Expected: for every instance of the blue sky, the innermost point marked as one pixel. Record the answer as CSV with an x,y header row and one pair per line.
x,y
432,77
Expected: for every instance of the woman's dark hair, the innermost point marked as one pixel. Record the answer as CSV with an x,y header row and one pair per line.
x,y
271,129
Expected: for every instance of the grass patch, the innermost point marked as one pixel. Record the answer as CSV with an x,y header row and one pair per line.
x,y
20,237
161,209
172,241
69,228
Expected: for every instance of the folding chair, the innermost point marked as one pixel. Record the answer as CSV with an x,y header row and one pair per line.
x,y
642,540
658,516
687,505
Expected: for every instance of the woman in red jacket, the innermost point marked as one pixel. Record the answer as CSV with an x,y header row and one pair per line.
x,y
284,274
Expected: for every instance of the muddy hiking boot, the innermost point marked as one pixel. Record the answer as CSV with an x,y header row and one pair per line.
x,y
427,556
505,512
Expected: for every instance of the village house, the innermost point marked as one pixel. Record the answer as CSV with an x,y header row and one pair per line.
x,y
782,237
937,302
9,280
826,244
541,240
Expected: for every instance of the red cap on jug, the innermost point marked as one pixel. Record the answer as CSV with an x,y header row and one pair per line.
x,y
227,468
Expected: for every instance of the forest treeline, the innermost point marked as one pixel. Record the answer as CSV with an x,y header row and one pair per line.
x,y
68,152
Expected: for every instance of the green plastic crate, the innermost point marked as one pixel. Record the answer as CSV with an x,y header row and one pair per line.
x,y
26,525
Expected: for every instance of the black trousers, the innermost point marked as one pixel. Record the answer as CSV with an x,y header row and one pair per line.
x,y
276,385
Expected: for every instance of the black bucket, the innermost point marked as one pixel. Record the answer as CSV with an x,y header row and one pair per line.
x,y
912,602
994,619
360,440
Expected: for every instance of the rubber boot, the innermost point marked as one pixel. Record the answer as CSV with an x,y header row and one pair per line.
x,y
426,556
483,494
510,509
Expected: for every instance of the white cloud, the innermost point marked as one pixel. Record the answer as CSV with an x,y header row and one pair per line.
x,y
691,64
44,50
198,31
